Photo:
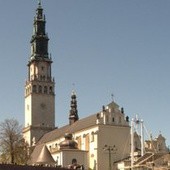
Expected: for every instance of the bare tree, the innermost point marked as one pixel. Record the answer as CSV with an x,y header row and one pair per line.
x,y
12,146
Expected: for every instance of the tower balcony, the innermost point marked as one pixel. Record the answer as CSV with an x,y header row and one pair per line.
x,y
40,78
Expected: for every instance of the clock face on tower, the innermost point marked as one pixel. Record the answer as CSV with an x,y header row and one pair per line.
x,y
43,106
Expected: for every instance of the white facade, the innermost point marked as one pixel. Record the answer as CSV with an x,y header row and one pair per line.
x,y
108,127
65,157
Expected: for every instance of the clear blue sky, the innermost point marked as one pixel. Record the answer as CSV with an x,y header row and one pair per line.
x,y
103,47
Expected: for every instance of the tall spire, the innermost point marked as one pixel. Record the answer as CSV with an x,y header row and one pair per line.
x,y
39,40
40,85
73,115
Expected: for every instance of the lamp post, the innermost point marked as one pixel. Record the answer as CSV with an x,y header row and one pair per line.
x,y
110,149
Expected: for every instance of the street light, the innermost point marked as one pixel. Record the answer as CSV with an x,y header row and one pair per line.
x,y
110,149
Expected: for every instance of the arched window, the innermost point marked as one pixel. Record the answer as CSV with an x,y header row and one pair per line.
x,y
34,88
87,144
113,119
51,89
92,137
44,78
41,77
45,89
40,89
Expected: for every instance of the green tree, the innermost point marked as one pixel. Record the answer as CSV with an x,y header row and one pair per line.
x,y
13,148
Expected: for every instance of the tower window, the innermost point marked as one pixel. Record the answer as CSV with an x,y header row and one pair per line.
x,y
40,89
45,89
113,119
42,78
51,89
34,88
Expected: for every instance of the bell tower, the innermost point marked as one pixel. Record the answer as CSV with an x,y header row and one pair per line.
x,y
39,86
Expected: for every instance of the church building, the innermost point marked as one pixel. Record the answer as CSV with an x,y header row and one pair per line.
x,y
96,141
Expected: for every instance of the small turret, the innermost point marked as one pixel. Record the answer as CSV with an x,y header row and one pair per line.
x,y
73,115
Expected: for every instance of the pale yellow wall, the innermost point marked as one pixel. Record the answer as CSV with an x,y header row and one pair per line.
x,y
103,134
27,137
92,152
110,136
39,109
64,157
43,110
36,70
28,111
54,145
